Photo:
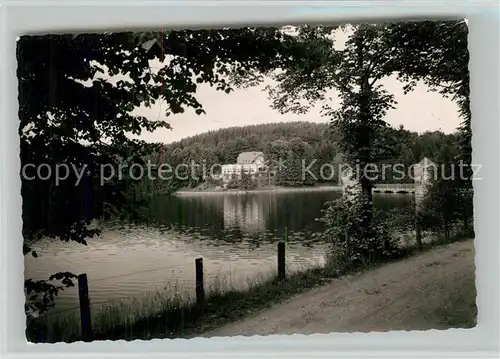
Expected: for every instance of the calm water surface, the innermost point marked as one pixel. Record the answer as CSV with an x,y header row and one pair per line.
x,y
235,235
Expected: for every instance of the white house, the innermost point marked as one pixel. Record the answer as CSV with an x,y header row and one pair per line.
x,y
247,162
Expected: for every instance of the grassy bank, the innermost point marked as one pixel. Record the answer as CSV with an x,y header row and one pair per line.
x,y
163,315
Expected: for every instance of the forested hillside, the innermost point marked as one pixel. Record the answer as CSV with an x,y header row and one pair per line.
x,y
293,142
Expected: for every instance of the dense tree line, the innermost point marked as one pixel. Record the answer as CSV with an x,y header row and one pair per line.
x,y
316,144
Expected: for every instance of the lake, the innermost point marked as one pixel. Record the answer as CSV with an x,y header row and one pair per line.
x,y
236,236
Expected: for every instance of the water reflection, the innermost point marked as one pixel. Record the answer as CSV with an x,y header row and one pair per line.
x,y
235,235
244,212
233,218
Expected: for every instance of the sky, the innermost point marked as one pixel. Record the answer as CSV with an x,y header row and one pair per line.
x,y
419,111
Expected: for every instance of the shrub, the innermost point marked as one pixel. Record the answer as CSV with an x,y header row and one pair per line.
x,y
353,246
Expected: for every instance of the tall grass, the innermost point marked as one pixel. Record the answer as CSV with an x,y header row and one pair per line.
x,y
171,313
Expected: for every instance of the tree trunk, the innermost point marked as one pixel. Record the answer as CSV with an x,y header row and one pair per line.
x,y
447,232
364,137
366,191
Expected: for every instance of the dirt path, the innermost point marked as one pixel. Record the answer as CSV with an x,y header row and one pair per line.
x,y
434,290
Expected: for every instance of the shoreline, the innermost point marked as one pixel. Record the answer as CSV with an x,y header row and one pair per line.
x,y
187,192
263,190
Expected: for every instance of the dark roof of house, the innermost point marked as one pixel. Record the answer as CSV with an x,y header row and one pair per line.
x,y
249,157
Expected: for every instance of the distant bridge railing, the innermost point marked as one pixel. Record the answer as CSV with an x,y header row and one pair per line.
x,y
394,187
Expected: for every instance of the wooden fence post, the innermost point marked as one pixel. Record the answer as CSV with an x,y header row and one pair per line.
x,y
281,261
418,234
83,294
200,290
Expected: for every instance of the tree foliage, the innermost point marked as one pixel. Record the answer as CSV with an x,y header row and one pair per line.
x,y
351,247
436,53
72,113
446,202
432,52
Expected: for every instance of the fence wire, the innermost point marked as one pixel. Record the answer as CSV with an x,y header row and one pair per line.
x,y
218,278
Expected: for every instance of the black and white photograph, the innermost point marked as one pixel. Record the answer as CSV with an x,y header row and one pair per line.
x,y
245,181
